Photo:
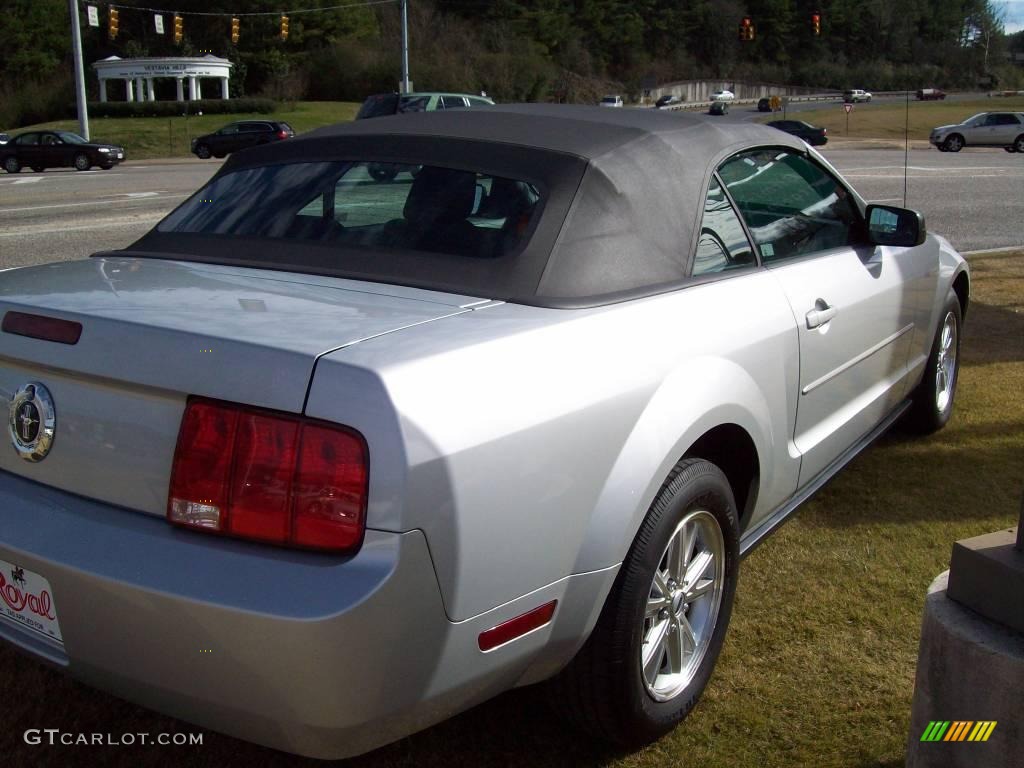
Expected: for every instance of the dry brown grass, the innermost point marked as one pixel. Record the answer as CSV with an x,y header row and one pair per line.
x,y
819,664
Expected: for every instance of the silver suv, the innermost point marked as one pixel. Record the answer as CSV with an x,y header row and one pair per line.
x,y
988,129
856,96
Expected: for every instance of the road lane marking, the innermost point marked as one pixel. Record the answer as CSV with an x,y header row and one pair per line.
x,y
140,221
91,202
27,181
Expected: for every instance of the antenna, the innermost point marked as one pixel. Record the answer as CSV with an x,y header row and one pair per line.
x,y
906,148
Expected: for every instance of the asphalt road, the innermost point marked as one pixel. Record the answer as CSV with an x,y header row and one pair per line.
x,y
974,198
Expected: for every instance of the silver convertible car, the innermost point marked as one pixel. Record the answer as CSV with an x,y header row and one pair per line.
x,y
324,459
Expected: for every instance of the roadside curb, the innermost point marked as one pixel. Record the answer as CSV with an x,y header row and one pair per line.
x,y
990,251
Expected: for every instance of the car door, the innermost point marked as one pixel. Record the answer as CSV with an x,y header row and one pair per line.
x,y
30,153
1004,128
53,152
253,134
226,139
854,304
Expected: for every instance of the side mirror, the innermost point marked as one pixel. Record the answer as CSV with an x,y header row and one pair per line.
x,y
889,225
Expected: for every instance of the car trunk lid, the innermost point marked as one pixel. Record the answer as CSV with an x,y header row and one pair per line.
x,y
155,332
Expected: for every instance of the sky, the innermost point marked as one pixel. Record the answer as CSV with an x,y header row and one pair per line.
x,y
1014,10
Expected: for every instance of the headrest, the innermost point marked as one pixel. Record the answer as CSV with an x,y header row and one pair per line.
x,y
440,194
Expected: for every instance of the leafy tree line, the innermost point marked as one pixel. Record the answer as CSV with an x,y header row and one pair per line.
x,y
569,50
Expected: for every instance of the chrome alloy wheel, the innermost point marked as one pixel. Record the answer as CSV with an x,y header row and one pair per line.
x,y
945,367
682,606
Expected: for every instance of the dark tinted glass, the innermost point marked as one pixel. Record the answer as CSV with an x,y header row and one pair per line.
x,y
378,106
414,104
366,205
27,139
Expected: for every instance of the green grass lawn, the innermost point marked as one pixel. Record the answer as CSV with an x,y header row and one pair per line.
x,y
886,121
818,667
153,137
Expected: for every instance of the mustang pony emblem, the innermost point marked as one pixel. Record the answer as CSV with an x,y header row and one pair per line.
x,y
32,421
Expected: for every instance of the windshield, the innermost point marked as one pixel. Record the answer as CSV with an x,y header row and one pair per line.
x,y
976,120
71,138
366,206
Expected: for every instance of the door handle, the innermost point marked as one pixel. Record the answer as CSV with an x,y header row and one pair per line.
x,y
821,314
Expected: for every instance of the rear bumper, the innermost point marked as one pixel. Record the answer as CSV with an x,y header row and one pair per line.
x,y
307,653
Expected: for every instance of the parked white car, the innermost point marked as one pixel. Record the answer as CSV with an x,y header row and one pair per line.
x,y
610,101
723,95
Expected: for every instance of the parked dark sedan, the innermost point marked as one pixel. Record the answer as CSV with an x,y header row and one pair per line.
x,y
235,136
39,150
812,134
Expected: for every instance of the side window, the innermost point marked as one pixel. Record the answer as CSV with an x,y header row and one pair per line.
x,y
229,129
722,243
27,139
791,205
452,102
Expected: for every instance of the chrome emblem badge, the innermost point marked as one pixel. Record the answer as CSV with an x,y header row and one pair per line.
x,y
32,421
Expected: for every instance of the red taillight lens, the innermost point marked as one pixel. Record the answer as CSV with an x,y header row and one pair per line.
x,y
267,476
202,463
329,496
282,134
824,131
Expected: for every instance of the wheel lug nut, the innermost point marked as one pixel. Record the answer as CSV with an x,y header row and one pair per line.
x,y
663,614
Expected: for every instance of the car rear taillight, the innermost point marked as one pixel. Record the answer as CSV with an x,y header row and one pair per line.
x,y
267,476
282,134
824,131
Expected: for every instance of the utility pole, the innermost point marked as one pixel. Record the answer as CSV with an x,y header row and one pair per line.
x,y
76,40
406,85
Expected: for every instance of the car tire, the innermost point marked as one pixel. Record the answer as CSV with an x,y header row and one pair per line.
x,y
220,155
82,162
622,685
203,152
933,399
1011,149
382,173
953,143
38,168
1018,144
12,164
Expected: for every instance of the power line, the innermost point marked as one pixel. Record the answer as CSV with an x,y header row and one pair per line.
x,y
238,14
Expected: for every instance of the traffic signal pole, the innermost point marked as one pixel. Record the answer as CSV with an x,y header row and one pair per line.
x,y
76,41
406,85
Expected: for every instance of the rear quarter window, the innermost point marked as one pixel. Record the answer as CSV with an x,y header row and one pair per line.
x,y
367,205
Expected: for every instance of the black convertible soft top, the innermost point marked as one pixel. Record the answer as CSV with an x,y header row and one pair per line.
x,y
623,191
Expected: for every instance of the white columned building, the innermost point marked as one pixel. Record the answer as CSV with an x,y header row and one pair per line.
x,y
139,75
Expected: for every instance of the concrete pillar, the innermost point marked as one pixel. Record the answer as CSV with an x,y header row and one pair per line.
x,y
103,89
129,90
140,91
199,88
191,88
224,88
969,670
178,82
150,89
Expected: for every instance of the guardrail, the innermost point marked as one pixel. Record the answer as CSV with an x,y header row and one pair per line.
x,y
790,100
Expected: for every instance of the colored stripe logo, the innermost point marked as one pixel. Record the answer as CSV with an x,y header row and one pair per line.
x,y
958,730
